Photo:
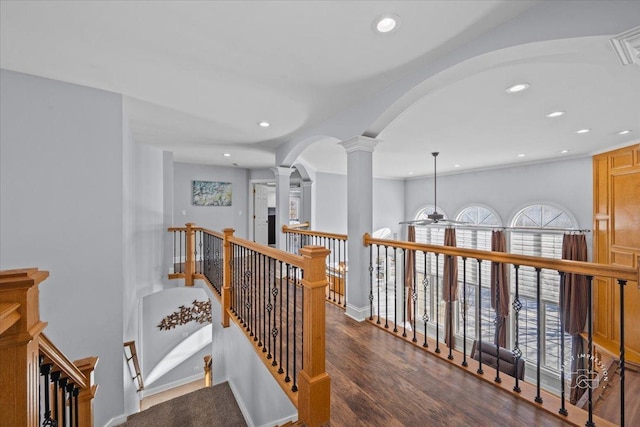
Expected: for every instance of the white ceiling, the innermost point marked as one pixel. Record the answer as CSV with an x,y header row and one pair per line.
x,y
198,76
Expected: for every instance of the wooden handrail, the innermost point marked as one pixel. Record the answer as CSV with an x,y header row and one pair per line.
x,y
53,355
22,345
133,357
9,315
290,229
289,258
566,266
296,226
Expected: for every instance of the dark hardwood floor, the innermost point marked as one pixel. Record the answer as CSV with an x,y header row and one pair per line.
x,y
379,380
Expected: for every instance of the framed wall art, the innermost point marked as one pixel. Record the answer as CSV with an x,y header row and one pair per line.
x,y
211,193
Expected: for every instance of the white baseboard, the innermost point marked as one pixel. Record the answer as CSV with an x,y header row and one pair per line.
x,y
177,383
358,313
243,408
116,421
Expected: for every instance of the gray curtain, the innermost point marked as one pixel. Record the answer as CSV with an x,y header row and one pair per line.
x,y
409,272
576,297
450,287
500,289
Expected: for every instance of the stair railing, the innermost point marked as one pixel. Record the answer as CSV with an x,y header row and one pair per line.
x,y
336,269
38,384
420,312
276,298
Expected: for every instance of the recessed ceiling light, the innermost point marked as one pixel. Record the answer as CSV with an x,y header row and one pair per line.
x,y
456,166
386,23
264,124
521,155
564,151
410,173
583,131
624,132
518,87
554,114
227,155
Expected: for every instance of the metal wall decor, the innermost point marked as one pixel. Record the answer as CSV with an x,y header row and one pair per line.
x,y
199,311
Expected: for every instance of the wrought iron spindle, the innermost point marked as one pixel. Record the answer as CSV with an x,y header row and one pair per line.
x,y
498,321
386,287
200,233
464,312
45,370
254,294
517,306
371,282
281,291
62,384
450,311
55,377
437,302
425,315
622,284
563,409
274,308
260,309
378,281
180,246
479,316
287,378
404,296
76,392
590,422
395,292
295,328
265,302
414,299
343,243
538,398
70,388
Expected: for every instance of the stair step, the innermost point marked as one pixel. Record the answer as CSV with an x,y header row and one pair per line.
x,y
9,315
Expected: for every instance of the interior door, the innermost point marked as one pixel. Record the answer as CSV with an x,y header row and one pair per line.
x,y
260,214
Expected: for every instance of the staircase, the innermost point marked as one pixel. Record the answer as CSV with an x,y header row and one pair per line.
x,y
210,406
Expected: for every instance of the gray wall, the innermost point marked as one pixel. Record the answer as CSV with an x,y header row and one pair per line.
x,y
62,209
331,203
212,217
567,184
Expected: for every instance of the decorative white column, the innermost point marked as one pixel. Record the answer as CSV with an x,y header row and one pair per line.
x,y
306,200
359,221
283,187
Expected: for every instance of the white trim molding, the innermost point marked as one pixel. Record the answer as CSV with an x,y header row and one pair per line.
x,y
627,46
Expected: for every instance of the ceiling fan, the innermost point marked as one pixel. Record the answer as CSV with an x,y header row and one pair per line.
x,y
435,217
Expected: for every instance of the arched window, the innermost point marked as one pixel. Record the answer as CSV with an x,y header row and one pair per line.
x,y
544,239
480,238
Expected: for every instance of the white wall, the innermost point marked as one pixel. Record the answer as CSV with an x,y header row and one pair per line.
x,y
331,203
62,210
260,397
565,183
212,217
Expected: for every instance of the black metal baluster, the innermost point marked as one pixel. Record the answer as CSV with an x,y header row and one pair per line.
x,y
538,398
201,234
395,292
464,312
255,301
437,302
425,289
261,306
590,422
404,296
295,328
498,321
281,291
370,282
344,273
55,377
45,370
386,287
62,383
414,297
287,378
180,246
479,316
450,311
622,284
378,281
274,329
517,306
70,388
563,409
76,392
